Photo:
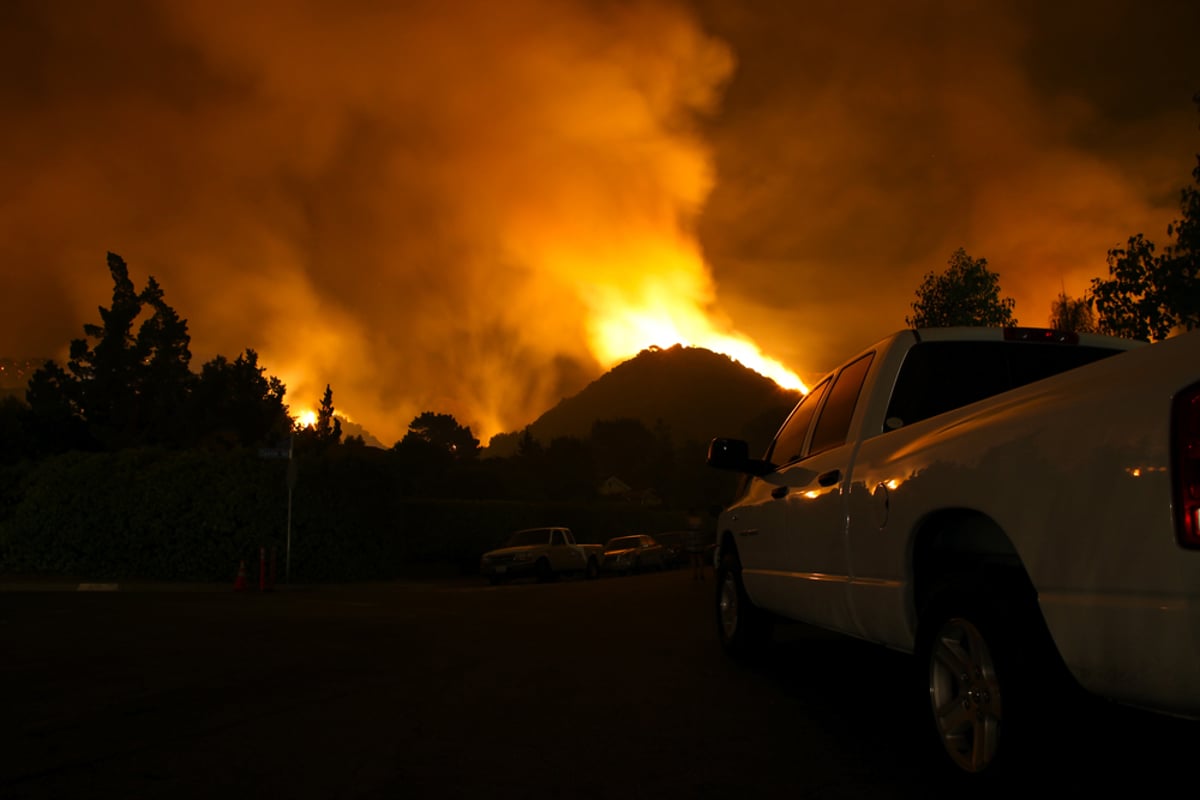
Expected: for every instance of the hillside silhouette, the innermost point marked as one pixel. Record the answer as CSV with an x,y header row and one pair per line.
x,y
696,393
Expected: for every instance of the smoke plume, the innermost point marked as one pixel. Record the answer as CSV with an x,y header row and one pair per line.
x,y
473,208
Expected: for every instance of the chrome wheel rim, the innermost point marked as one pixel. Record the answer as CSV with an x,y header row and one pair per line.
x,y
727,607
965,695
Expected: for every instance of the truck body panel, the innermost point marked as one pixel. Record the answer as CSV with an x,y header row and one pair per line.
x,y
1068,477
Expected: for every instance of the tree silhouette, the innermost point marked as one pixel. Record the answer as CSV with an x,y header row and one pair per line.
x,y
329,427
234,403
128,382
436,457
1148,296
107,374
55,412
165,380
966,293
17,438
1072,314
443,432
527,446
127,389
327,432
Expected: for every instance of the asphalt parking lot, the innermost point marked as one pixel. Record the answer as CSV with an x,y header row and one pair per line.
x,y
607,688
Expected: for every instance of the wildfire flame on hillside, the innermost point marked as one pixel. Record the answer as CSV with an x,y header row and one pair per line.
x,y
543,209
619,328
475,208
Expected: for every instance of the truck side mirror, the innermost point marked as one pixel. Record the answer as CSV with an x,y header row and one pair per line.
x,y
734,455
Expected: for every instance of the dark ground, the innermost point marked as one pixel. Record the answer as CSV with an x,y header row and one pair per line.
x,y
608,688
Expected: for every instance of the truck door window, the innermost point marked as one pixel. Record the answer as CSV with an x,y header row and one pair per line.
x,y
789,443
557,538
941,376
834,423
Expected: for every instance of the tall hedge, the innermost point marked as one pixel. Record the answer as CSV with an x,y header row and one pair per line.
x,y
142,514
194,516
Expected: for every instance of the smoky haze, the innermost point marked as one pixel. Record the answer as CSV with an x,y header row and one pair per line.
x,y
857,149
450,206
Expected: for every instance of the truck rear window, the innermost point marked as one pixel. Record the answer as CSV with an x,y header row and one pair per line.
x,y
937,377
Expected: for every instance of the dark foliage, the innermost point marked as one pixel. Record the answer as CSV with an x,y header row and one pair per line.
x,y
441,432
966,293
1150,295
128,383
326,433
235,404
128,465
1073,314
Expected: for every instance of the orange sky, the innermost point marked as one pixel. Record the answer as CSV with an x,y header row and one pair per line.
x,y
461,206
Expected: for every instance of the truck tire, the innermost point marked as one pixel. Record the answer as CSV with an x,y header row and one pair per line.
x,y
743,629
992,677
543,571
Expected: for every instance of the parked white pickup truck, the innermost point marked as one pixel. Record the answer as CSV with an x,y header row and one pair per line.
x,y
1019,508
543,553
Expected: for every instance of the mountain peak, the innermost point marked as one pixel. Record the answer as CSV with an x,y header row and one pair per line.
x,y
697,393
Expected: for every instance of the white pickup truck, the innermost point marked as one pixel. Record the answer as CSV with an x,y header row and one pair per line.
x,y
1019,508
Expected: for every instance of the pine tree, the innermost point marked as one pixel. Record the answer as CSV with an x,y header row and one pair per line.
x,y
329,427
325,433
165,380
107,374
125,389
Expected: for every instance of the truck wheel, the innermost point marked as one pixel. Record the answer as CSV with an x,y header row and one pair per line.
x,y
990,670
743,628
543,571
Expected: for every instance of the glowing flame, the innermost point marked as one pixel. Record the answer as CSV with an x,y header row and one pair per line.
x,y
306,419
665,306
626,333
566,193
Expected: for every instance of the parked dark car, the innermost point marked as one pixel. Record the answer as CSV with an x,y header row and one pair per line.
x,y
628,554
675,543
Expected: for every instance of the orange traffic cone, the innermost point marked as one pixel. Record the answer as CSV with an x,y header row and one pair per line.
x,y
240,584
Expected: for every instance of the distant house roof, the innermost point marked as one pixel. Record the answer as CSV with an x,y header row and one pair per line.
x,y
614,486
649,497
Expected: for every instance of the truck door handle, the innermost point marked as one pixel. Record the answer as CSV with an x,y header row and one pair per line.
x,y
830,478
779,491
